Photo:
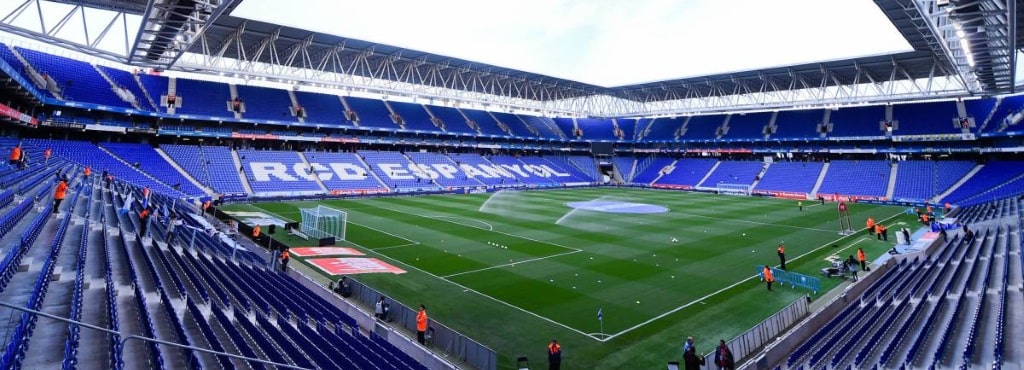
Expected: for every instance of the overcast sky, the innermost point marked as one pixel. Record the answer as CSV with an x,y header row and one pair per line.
x,y
605,42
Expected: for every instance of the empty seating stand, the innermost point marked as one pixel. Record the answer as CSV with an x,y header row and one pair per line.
x,y
733,172
859,178
152,163
796,177
922,180
688,172
203,98
78,80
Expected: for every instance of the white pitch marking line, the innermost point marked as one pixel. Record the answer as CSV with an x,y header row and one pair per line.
x,y
836,253
397,246
493,231
704,298
489,226
384,232
511,263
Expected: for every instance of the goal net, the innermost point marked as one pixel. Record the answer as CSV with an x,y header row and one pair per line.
x,y
322,222
726,188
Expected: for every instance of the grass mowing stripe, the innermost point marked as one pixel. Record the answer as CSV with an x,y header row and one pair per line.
x,y
753,222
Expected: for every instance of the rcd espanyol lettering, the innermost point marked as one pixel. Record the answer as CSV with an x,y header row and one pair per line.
x,y
276,171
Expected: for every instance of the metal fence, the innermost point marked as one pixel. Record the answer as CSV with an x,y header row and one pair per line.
x,y
793,279
747,343
443,338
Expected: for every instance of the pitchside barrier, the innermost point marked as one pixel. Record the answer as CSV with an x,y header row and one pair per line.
x,y
443,338
793,279
747,343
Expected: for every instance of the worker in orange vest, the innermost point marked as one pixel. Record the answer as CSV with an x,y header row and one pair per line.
x,y
88,171
871,225
46,155
882,231
143,222
256,232
863,258
781,255
15,155
768,278
421,325
59,194
554,355
284,260
206,206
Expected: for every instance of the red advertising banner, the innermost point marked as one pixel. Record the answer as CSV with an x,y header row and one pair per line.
x,y
353,265
17,115
851,198
238,135
784,194
329,139
9,112
323,251
668,186
358,191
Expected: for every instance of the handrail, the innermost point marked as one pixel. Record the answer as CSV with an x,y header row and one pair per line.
x,y
146,339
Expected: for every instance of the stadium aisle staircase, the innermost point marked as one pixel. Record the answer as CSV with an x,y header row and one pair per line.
x,y
184,173
316,177
821,178
890,187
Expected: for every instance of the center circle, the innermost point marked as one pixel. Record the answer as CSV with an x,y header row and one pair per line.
x,y
617,207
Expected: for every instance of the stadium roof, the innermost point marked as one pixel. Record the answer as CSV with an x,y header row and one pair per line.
x,y
967,42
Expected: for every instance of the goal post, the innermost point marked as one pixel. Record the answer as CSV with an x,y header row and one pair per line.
x,y
323,222
727,188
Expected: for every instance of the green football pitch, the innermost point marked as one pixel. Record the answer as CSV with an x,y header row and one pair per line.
x,y
515,269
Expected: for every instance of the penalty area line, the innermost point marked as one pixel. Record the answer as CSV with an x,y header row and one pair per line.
x,y
493,231
489,226
704,298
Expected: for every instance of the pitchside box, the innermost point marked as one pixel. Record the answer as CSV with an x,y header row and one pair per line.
x,y
277,171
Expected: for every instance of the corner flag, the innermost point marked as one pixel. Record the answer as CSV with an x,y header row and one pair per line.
x,y
600,315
